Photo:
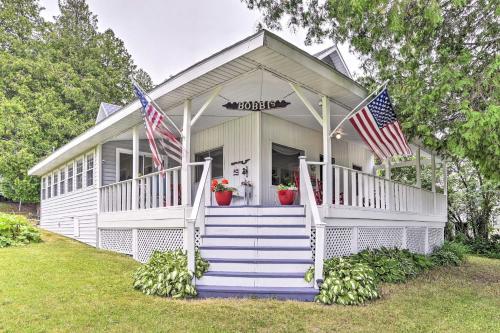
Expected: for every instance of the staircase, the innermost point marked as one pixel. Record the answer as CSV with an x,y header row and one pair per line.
x,y
256,251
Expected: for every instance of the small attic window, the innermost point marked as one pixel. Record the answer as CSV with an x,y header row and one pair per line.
x,y
105,110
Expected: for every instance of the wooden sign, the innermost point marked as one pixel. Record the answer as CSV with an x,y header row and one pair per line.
x,y
256,105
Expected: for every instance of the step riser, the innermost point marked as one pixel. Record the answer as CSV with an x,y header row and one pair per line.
x,y
261,268
254,220
254,254
209,230
280,296
231,281
255,211
255,242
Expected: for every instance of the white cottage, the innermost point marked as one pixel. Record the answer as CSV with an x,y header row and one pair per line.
x,y
101,188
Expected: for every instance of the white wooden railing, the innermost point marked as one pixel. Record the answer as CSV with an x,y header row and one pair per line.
x,y
154,190
358,189
312,217
201,200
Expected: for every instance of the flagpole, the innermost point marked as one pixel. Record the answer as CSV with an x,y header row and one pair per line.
x,y
358,106
157,106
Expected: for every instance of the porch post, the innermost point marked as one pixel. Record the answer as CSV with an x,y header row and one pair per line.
x,y
135,166
445,178
418,168
433,166
327,154
186,147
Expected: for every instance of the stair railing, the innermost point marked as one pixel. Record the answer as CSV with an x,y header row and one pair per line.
x,y
312,213
201,200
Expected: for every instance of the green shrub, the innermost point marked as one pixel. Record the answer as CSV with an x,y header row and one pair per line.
x,y
166,274
347,283
485,247
17,230
450,254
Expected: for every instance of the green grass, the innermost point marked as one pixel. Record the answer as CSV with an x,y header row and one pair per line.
x,y
64,286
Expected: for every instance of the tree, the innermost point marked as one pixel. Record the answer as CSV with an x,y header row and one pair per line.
x,y
53,77
442,58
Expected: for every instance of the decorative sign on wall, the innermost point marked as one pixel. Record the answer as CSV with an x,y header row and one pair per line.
x,y
256,105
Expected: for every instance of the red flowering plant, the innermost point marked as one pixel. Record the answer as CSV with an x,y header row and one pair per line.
x,y
223,186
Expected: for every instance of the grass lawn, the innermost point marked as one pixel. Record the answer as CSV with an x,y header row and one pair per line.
x,y
62,285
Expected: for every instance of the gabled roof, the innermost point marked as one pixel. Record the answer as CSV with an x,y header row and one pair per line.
x,y
105,110
261,50
333,57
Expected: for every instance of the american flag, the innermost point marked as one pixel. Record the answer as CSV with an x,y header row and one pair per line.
x,y
154,121
378,126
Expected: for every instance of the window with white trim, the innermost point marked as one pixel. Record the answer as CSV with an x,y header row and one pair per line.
x,y
49,186
55,184
62,181
79,174
70,172
44,188
89,169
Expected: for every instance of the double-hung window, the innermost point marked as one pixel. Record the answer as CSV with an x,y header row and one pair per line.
x,y
55,184
62,181
49,186
44,188
79,174
90,169
70,179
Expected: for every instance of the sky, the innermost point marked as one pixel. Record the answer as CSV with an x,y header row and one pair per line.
x,y
167,36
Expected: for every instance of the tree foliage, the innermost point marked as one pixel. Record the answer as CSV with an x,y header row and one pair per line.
x,y
442,57
53,76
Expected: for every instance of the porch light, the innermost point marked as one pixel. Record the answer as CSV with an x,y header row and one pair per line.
x,y
338,136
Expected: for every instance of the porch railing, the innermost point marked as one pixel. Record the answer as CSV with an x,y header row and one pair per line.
x,y
358,189
308,199
154,190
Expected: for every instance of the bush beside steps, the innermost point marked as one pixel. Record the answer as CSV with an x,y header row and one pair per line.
x,y
353,280
166,274
16,230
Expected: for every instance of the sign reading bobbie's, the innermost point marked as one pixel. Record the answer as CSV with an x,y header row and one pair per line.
x,y
255,105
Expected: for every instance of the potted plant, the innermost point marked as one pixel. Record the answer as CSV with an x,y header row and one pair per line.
x,y
286,193
223,192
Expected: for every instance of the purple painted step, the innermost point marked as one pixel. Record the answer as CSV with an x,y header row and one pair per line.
x,y
255,274
257,248
263,261
299,294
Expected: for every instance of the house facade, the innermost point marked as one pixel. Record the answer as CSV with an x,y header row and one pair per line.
x,y
258,113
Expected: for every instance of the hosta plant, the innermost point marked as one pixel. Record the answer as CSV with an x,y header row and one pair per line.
x,y
166,274
17,230
347,283
450,254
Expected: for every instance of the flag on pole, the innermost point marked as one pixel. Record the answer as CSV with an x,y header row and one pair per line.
x,y
378,126
162,141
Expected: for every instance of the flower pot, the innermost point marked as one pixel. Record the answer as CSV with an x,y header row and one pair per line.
x,y
223,198
286,197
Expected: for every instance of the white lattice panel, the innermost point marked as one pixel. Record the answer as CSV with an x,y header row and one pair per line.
x,y
374,238
436,238
338,242
118,240
313,242
149,240
197,238
415,239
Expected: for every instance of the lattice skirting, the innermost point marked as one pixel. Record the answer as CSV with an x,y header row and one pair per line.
x,y
141,241
343,241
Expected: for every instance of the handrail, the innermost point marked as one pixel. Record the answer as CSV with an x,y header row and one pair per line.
x,y
159,172
117,183
195,210
319,252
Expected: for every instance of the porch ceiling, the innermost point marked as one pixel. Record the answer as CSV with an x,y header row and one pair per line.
x,y
241,62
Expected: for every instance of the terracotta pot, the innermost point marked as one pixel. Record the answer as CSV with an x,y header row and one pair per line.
x,y
286,197
223,198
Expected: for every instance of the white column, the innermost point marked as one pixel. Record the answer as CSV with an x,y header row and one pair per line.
x,y
433,168
186,148
445,177
135,166
418,168
327,154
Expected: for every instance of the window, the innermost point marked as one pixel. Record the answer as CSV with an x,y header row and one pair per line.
x,y
54,184
90,170
44,188
79,174
285,164
49,186
124,167
70,177
62,181
217,156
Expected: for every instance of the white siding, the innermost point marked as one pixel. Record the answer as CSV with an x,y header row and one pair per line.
x,y
109,158
57,213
